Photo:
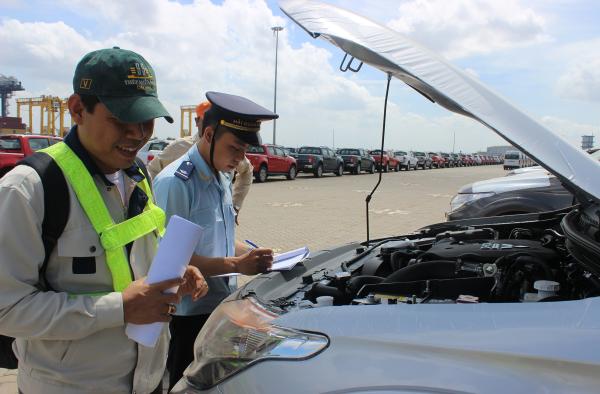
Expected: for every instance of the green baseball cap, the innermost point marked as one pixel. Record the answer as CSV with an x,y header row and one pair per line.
x,y
123,81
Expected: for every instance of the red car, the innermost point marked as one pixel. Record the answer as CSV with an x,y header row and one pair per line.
x,y
268,159
14,147
437,160
389,161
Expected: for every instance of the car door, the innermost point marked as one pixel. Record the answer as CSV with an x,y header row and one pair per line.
x,y
365,161
273,160
282,164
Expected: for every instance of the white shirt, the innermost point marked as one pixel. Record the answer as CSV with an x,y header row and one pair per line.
x,y
119,181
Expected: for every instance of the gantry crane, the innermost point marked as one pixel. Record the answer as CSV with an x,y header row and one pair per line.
x,y
51,107
188,113
8,85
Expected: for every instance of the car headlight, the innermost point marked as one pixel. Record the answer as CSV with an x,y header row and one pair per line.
x,y
461,199
238,334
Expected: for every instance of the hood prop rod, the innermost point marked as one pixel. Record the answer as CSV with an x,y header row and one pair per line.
x,y
368,199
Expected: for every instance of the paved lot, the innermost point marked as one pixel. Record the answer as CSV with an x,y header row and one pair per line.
x,y
330,211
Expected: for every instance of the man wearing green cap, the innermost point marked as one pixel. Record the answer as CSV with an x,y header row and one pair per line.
x,y
67,290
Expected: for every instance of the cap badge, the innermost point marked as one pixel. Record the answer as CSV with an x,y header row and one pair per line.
x,y
85,83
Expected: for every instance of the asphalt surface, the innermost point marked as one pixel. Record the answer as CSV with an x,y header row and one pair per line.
x,y
330,211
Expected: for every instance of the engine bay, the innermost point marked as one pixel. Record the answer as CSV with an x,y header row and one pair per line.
x,y
472,265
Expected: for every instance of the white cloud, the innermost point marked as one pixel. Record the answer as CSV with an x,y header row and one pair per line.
x,y
230,47
581,79
461,28
41,51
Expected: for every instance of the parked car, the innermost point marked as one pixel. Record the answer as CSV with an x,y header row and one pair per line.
x,y
381,161
423,160
292,151
152,148
528,192
319,160
491,305
516,159
448,161
14,147
357,160
456,159
407,159
437,161
522,190
268,160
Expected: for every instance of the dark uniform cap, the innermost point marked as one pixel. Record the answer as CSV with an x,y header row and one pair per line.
x,y
241,116
123,81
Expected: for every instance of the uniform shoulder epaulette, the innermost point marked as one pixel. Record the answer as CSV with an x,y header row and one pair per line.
x,y
185,170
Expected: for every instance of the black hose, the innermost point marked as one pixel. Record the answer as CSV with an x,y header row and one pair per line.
x,y
356,283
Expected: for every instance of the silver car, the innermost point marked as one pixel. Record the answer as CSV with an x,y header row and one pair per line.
x,y
492,305
407,159
526,192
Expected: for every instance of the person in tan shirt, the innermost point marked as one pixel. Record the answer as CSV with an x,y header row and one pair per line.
x,y
68,309
173,151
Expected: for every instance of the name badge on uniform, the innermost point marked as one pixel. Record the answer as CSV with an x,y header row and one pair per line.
x,y
185,170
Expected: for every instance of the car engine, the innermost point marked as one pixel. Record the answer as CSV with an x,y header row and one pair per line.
x,y
466,266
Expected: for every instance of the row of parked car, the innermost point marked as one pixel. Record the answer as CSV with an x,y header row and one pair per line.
x,y
275,160
270,160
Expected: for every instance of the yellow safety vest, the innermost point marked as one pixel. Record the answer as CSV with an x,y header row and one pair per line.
x,y
113,236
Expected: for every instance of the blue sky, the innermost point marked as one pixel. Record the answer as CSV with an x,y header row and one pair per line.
x,y
543,55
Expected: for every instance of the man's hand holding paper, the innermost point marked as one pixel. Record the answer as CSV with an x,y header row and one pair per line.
x,y
194,284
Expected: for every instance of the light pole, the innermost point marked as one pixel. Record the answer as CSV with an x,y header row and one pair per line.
x,y
453,140
276,30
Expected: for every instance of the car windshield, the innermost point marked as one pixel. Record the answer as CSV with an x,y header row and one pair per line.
x,y
38,143
511,155
349,152
399,153
10,144
419,153
161,145
375,152
310,151
255,149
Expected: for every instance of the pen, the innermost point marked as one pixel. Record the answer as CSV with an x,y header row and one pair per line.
x,y
251,243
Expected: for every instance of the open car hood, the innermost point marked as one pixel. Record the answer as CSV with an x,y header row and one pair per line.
x,y
453,89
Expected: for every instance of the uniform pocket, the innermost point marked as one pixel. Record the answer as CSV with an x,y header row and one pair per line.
x,y
81,247
79,243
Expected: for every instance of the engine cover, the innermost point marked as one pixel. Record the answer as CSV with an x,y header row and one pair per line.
x,y
487,251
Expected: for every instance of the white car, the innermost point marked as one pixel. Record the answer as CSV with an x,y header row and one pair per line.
x,y
491,305
152,148
407,159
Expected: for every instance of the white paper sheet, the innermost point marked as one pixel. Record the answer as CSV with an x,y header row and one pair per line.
x,y
172,257
287,261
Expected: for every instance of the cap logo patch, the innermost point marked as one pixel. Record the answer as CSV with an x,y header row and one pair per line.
x,y
140,76
85,83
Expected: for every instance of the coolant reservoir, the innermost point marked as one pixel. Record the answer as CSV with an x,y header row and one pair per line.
x,y
545,288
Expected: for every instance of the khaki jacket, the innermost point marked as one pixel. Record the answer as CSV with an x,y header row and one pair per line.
x,y
176,149
68,343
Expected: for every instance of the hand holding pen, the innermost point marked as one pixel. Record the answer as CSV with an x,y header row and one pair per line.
x,y
257,260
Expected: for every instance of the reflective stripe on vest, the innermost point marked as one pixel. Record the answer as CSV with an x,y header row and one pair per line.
x,y
113,236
